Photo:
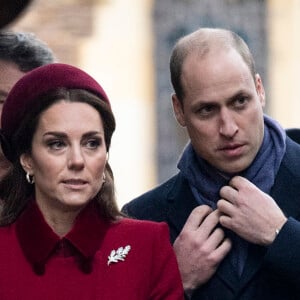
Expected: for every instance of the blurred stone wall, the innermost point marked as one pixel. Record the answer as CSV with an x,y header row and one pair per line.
x,y
175,18
62,24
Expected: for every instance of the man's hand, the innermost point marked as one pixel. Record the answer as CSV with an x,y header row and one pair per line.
x,y
249,212
200,247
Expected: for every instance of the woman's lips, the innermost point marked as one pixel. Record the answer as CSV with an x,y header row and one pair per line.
x,y
75,183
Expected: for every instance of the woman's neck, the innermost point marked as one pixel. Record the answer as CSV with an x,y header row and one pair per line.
x,y
60,219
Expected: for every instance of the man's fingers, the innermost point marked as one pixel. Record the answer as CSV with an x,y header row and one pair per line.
x,y
196,217
209,224
223,249
237,181
215,239
229,193
225,207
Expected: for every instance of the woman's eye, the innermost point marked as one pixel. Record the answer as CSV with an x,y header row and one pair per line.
x,y
56,145
93,143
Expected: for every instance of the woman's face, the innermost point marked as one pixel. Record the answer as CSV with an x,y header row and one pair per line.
x,y
68,156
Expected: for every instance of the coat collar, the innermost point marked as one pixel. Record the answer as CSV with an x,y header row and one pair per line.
x,y
38,240
182,202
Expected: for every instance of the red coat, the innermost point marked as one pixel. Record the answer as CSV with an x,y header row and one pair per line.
x,y
36,264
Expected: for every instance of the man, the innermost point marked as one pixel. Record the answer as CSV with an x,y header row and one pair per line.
x,y
19,53
234,207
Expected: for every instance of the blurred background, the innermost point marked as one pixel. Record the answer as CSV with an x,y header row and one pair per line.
x,y
125,45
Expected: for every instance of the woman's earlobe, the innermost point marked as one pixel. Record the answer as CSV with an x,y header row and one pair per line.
x,y
26,163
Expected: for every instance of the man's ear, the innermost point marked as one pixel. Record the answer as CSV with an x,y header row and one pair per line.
x,y
178,110
26,163
260,90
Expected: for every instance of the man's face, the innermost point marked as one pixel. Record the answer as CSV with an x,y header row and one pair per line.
x,y
222,109
9,75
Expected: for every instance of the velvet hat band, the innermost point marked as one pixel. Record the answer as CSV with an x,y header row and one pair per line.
x,y
32,85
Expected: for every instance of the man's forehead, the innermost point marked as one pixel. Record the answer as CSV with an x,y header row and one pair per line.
x,y
9,73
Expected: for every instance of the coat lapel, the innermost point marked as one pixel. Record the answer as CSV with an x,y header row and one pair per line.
x,y
181,203
286,191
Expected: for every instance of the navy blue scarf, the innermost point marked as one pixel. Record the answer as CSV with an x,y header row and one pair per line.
x,y
206,181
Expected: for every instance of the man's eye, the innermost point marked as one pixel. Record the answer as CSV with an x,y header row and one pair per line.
x,y
206,110
241,101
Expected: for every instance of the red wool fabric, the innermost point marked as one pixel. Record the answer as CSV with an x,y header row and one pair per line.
x,y
36,264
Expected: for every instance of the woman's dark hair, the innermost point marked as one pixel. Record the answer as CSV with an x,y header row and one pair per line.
x,y
15,191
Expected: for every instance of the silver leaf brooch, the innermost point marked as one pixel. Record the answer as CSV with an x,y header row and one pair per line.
x,y
118,255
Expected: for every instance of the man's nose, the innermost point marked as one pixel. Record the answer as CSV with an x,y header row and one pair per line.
x,y
228,125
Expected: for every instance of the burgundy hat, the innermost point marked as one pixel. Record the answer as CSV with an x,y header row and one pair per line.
x,y
26,92
33,84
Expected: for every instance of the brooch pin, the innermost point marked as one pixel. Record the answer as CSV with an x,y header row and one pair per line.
x,y
118,255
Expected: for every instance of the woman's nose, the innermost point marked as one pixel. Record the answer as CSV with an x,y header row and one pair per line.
x,y
75,158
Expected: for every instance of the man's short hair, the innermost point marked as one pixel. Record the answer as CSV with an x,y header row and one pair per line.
x,y
25,50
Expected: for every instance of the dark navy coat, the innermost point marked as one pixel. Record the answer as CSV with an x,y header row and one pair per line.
x,y
270,273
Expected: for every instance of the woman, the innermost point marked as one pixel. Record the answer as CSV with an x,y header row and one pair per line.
x,y
62,236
